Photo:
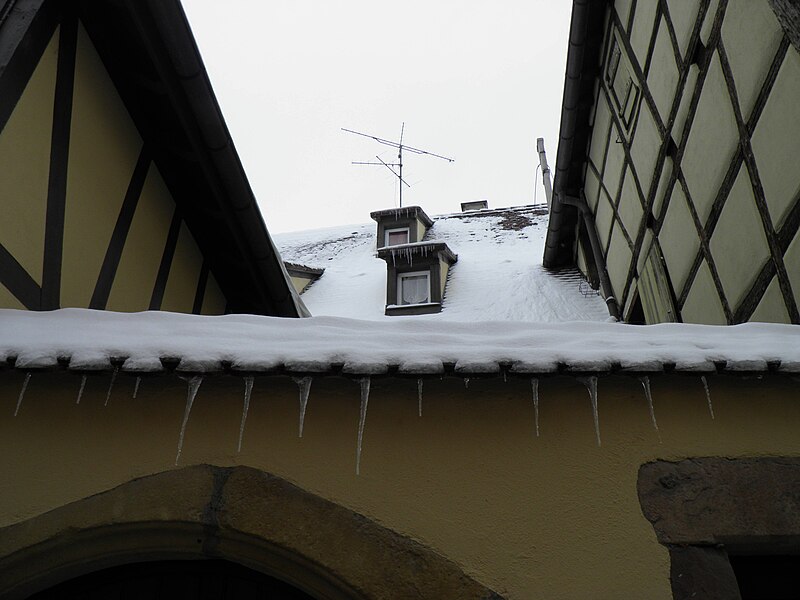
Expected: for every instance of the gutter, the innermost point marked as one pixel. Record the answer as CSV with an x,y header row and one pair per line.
x,y
566,133
599,261
568,201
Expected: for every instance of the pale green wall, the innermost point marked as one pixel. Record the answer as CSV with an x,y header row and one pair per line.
x,y
751,36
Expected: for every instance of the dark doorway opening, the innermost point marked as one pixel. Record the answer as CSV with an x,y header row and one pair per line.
x,y
185,579
767,577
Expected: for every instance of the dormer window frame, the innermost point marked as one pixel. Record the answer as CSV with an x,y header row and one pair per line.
x,y
431,259
387,232
401,276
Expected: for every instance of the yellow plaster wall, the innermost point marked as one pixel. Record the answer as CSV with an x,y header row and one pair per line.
x,y
300,283
444,269
183,275
214,300
144,246
9,300
103,149
25,156
420,230
548,517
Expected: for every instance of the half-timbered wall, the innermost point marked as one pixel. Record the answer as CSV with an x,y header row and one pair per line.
x,y
693,170
88,220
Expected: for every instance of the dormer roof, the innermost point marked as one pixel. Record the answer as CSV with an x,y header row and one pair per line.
x,y
402,213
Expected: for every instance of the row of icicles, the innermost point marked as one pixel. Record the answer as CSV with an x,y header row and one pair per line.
x,y
304,386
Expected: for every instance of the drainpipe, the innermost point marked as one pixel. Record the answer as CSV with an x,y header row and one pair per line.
x,y
599,259
548,187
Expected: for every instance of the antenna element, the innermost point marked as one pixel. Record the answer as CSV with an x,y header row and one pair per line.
x,y
400,147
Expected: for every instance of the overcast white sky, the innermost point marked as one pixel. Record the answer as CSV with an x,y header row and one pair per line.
x,y
473,80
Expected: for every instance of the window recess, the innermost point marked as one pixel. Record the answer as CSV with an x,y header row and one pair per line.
x,y
414,288
619,81
393,237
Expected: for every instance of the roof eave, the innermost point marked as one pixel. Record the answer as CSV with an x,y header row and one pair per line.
x,y
583,62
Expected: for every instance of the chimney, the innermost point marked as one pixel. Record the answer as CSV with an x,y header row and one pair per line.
x,y
474,205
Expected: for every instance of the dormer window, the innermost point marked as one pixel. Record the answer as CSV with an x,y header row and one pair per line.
x,y
416,274
396,236
416,269
398,226
414,288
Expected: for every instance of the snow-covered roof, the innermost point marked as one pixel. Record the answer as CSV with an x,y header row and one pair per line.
x,y
85,340
498,276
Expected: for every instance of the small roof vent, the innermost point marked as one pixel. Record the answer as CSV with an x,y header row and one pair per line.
x,y
474,205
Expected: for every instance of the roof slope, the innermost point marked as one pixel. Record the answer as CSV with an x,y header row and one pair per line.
x,y
498,276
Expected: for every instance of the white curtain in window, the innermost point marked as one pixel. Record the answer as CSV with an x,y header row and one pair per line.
x,y
415,289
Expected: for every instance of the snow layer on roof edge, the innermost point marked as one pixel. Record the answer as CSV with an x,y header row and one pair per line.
x,y
93,340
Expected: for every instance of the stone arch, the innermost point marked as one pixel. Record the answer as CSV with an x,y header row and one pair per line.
x,y
239,514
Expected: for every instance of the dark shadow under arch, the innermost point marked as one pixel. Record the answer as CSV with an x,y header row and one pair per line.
x,y
239,514
210,579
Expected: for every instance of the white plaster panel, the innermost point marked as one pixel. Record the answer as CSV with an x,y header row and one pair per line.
x,y
751,35
661,191
602,120
792,261
645,147
772,308
630,206
603,217
708,22
591,188
623,8
683,107
678,239
663,76
703,304
776,140
643,21
615,163
618,262
712,142
739,245
684,15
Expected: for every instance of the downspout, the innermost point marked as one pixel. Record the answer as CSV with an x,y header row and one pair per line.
x,y
548,187
599,259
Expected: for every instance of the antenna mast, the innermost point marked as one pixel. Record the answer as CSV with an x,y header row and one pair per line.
x,y
399,164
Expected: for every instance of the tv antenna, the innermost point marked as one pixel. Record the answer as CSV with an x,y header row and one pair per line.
x,y
400,147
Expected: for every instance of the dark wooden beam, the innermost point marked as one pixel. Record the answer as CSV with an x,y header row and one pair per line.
x,y
59,157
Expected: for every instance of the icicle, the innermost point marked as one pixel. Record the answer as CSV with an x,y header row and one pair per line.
x,y
304,386
80,390
708,395
419,395
535,390
111,385
591,385
466,382
22,392
248,389
136,387
361,419
647,394
194,385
